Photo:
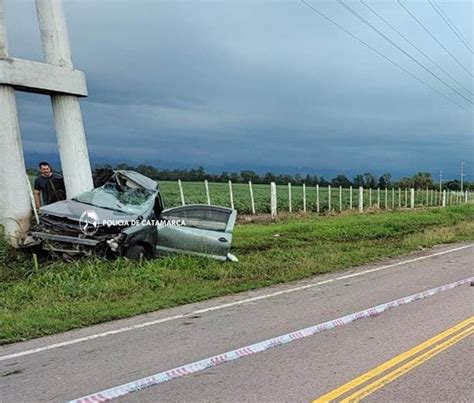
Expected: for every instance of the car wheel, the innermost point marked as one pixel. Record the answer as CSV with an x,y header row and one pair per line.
x,y
135,252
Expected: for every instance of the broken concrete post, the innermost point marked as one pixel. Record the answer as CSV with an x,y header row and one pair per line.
x,y
15,209
66,109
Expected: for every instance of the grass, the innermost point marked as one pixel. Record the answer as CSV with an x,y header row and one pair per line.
x,y
63,296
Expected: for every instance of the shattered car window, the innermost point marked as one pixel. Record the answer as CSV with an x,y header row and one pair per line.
x,y
131,201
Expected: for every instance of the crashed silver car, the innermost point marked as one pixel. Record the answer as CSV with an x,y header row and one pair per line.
x,y
126,216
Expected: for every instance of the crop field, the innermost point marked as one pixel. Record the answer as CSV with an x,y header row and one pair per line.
x,y
195,192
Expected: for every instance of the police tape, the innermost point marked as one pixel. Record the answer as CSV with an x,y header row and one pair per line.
x,y
201,365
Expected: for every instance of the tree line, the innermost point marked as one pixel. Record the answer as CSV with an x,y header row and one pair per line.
x,y
421,180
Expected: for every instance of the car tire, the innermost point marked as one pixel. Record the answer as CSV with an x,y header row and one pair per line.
x,y
135,252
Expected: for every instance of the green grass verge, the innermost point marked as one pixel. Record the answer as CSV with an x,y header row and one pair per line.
x,y
63,296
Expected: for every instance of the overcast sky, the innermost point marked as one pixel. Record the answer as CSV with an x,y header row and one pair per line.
x,y
259,85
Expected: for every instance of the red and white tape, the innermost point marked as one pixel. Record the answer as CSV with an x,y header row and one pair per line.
x,y
201,365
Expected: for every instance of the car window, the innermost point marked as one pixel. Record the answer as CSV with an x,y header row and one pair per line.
x,y
199,217
132,201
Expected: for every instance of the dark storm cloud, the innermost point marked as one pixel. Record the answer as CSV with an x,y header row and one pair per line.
x,y
254,84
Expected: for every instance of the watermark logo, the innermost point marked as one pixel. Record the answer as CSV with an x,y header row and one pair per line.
x,y
89,222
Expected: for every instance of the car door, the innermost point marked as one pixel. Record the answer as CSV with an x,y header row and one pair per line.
x,y
197,229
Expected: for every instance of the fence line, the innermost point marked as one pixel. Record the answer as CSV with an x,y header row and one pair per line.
x,y
252,200
208,195
329,197
304,197
340,198
290,209
317,198
231,194
181,193
326,199
273,199
361,199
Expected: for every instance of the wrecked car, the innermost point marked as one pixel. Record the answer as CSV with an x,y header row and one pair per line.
x,y
125,216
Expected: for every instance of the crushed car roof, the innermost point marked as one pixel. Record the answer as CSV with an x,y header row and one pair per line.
x,y
138,179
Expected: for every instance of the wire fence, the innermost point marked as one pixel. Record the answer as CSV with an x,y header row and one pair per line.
x,y
272,199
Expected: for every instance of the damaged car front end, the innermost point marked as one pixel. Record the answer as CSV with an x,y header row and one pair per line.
x,y
126,217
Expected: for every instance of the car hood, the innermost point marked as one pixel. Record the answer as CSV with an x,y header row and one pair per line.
x,y
72,210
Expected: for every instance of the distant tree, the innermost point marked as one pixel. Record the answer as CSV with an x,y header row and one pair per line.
x,y
422,180
385,181
358,181
341,180
249,176
323,182
404,183
235,177
148,170
224,177
370,181
268,177
453,185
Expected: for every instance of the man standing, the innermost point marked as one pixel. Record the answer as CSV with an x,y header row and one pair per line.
x,y
49,186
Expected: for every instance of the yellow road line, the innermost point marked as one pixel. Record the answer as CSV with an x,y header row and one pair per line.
x,y
332,395
391,376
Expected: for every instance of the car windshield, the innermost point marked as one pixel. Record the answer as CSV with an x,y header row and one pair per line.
x,y
131,201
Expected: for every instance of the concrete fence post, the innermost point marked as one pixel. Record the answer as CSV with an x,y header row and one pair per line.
x,y
329,197
231,195
208,196
465,196
304,197
317,199
393,198
406,197
386,197
340,198
378,198
290,209
412,198
444,198
252,201
361,199
273,199
399,198
181,193
350,197
370,197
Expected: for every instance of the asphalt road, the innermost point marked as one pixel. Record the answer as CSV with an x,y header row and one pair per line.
x,y
302,370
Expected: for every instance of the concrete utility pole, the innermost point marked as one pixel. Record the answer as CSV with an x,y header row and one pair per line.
x,y
15,207
462,175
58,79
